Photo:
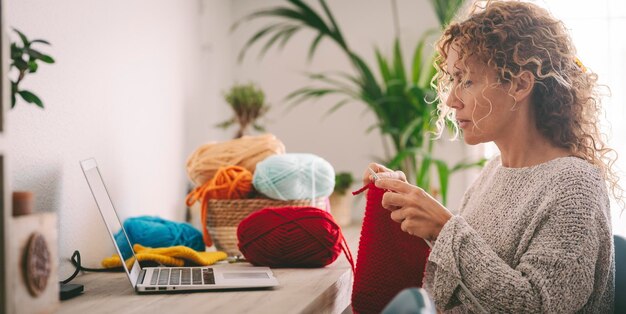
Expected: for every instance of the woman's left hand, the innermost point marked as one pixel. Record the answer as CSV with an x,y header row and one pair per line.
x,y
418,213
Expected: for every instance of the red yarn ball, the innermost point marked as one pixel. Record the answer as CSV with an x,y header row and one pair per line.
x,y
290,237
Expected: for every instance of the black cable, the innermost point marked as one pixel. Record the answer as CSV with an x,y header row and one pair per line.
x,y
75,260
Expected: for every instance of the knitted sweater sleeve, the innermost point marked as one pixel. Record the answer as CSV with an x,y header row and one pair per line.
x,y
555,273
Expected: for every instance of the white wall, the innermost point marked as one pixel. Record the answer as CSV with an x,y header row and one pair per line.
x,y
125,74
139,85
340,137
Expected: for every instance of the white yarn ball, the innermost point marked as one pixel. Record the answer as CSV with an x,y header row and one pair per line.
x,y
294,177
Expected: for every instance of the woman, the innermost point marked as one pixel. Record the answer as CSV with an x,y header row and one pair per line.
x,y
533,233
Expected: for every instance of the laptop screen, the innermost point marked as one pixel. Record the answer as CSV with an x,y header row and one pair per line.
x,y
110,217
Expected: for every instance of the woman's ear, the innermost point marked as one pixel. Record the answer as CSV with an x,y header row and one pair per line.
x,y
523,85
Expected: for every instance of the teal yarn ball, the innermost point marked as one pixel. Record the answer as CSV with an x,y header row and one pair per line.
x,y
156,232
294,177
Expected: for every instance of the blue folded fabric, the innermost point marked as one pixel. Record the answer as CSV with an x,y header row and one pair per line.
x,y
154,232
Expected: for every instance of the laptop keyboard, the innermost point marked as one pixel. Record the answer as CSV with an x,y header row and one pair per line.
x,y
182,276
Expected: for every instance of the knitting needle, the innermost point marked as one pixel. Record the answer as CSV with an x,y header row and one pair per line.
x,y
374,174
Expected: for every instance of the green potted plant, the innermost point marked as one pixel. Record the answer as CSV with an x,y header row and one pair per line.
x,y
248,104
401,98
340,199
25,59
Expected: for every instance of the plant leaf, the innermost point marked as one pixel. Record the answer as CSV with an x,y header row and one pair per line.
x,y
34,54
313,46
258,35
13,92
47,59
371,128
16,52
422,175
285,32
30,98
336,107
444,173
418,56
226,124
40,41
383,66
427,74
335,28
397,160
287,36
417,61
23,37
467,165
20,64
258,128
32,66
410,130
398,62
313,18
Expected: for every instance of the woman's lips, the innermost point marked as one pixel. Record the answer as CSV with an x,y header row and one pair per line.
x,y
463,123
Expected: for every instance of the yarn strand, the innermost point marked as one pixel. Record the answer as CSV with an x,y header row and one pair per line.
x,y
200,193
230,182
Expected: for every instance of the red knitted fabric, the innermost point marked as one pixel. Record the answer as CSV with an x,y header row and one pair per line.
x,y
291,237
388,259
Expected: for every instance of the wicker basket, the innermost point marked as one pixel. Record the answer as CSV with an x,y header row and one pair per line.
x,y
223,217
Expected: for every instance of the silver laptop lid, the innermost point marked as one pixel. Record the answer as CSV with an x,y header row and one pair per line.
x,y
110,217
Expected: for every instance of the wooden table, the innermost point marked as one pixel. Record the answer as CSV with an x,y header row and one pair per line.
x,y
317,290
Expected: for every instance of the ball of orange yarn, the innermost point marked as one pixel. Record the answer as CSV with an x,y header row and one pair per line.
x,y
230,182
247,151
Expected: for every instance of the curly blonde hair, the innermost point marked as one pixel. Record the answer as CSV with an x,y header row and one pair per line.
x,y
514,37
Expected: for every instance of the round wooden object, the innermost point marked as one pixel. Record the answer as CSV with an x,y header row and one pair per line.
x,y
37,264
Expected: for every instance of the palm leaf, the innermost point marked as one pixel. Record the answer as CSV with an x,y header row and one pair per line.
x,y
398,63
314,45
423,179
411,129
443,172
314,19
285,32
258,35
446,9
383,66
339,37
400,157
463,165
336,107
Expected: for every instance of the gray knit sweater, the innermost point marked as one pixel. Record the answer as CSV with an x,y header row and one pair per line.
x,y
534,239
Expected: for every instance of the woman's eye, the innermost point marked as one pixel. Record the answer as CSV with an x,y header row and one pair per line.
x,y
467,83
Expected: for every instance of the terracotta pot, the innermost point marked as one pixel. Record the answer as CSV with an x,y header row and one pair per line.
x,y
23,203
340,208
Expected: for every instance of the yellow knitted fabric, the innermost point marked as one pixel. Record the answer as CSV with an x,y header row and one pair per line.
x,y
169,256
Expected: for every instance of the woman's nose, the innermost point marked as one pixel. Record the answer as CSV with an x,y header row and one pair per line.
x,y
453,100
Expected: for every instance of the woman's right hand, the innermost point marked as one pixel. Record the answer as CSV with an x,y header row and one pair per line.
x,y
382,172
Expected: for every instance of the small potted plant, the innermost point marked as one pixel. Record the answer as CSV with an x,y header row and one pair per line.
x,y
340,200
25,59
248,103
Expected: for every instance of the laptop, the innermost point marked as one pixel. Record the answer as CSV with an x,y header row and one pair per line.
x,y
171,279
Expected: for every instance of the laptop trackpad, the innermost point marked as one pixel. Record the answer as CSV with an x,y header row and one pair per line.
x,y
245,275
